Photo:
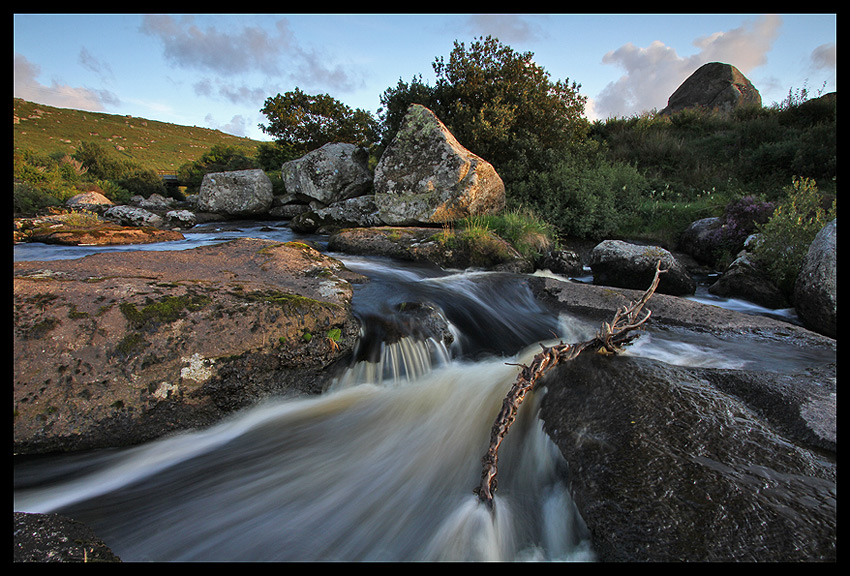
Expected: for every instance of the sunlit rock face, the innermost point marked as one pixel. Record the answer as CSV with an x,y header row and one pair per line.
x,y
426,177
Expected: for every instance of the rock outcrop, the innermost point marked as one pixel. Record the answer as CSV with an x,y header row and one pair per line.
x,y
445,248
744,279
72,230
687,461
715,86
330,174
56,538
119,348
240,193
815,292
626,265
426,177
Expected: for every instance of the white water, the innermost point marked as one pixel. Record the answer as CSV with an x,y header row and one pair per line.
x,y
366,472
380,467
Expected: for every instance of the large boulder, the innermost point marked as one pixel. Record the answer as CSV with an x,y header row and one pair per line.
x,y
815,294
90,201
335,172
674,464
426,177
715,86
699,240
119,348
240,193
353,212
746,280
725,456
626,265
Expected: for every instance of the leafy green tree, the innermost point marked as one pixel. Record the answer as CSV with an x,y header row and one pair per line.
x,y
272,155
309,122
396,101
498,103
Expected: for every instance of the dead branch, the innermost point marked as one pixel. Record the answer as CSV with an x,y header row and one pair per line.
x,y
610,339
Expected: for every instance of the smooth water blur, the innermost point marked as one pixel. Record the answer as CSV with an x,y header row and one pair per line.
x,y
382,466
364,473
201,235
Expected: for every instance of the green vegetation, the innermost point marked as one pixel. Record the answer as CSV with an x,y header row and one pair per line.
x,y
523,229
166,310
643,177
300,122
786,236
158,146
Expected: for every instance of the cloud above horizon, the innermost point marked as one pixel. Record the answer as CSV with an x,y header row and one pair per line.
x,y
653,73
243,52
27,86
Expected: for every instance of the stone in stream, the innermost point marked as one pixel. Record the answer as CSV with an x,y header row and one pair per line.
x,y
120,348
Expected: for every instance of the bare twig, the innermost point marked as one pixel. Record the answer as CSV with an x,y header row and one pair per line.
x,y
610,339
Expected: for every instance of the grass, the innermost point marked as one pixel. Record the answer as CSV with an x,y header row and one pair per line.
x,y
158,146
523,229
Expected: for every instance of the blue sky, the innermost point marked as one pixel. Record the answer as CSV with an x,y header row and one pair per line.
x,y
216,70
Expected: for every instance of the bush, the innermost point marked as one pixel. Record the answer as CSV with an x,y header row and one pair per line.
x,y
583,196
219,158
786,236
29,200
740,219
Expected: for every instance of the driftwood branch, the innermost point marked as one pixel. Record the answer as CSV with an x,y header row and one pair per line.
x,y
610,339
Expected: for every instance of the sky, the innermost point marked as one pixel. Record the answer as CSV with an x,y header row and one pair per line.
x,y
217,70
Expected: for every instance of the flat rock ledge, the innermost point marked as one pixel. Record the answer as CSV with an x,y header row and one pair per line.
x,y
447,248
116,349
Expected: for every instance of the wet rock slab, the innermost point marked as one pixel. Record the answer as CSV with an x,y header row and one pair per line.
x,y
676,462
119,348
55,538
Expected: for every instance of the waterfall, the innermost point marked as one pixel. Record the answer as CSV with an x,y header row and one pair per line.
x,y
380,467
363,473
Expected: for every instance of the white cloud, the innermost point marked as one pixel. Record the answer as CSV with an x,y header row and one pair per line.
x,y
506,27
823,57
245,50
653,73
28,87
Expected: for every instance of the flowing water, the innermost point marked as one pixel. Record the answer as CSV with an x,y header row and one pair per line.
x,y
381,466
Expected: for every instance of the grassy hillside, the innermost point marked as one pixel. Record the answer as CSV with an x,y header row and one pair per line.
x,y
154,145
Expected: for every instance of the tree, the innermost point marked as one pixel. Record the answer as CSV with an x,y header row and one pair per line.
x,y
499,104
309,122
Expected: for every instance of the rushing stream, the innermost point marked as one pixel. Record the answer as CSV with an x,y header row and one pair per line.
x,y
379,467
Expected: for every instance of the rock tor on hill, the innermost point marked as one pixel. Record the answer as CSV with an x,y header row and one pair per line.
x,y
714,86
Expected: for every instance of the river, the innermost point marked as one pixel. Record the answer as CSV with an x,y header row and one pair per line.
x,y
380,467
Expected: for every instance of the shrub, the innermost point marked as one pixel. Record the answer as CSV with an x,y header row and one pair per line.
x,y
219,158
786,236
584,196
740,219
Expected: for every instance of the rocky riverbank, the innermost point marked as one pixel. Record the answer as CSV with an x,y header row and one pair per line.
x,y
667,462
115,349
